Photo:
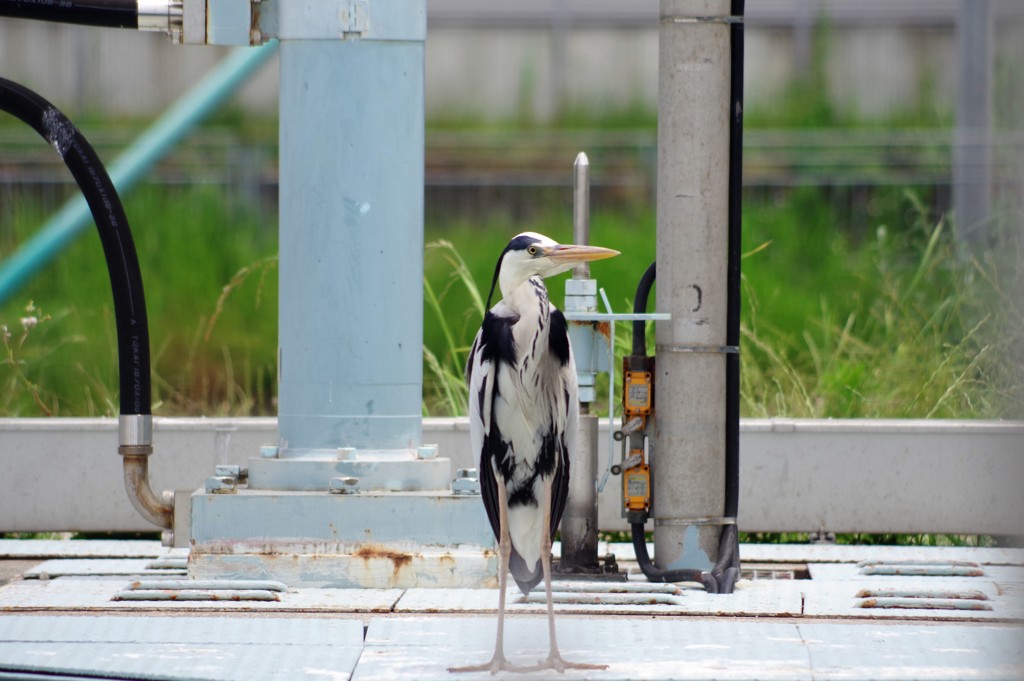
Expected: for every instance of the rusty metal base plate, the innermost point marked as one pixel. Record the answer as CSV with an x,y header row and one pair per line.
x,y
339,565
317,539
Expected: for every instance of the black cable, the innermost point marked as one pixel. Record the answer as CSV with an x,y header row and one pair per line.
x,y
115,236
108,13
643,558
656,574
726,568
643,292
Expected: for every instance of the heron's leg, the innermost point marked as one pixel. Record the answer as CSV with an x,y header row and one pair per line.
x,y
504,554
498,660
554,660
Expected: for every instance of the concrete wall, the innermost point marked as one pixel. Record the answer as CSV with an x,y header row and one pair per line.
x,y
958,477
535,57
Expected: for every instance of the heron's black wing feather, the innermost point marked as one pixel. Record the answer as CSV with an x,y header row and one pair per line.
x,y
558,337
497,344
493,346
558,343
489,491
559,491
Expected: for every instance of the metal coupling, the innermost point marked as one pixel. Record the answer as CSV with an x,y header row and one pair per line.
x,y
135,430
135,438
157,510
164,16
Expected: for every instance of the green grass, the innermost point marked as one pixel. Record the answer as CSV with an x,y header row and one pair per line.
x,y
889,324
191,244
838,321
900,326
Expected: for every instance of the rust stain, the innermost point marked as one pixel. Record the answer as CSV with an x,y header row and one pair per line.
x,y
604,328
397,558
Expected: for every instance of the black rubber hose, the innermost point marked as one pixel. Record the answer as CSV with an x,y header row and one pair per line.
x,y
656,574
643,292
108,13
643,558
115,236
728,551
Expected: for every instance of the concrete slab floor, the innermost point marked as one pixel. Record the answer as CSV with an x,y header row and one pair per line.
x,y
69,627
424,647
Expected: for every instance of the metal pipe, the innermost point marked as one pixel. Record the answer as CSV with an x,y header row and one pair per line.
x,y
157,510
687,458
579,522
581,210
135,435
74,216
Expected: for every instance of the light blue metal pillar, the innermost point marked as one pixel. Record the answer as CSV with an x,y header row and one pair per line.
x,y
349,496
351,296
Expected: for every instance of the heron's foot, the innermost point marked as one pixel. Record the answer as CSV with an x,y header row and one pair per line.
x,y
560,664
498,663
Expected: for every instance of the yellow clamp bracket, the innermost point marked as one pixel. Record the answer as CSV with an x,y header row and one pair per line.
x,y
636,487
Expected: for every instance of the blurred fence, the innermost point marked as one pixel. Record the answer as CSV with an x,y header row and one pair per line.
x,y
472,170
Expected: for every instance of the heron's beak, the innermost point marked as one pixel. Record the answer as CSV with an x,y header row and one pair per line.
x,y
571,253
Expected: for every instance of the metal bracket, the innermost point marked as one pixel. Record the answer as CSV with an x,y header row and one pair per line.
x,y
710,349
354,18
392,20
611,318
686,522
701,20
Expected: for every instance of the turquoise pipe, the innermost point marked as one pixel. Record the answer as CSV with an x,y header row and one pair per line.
x,y
67,223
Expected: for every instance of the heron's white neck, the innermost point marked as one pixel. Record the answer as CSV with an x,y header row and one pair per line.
x,y
527,297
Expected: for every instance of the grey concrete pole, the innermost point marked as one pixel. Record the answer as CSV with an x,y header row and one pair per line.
x,y
972,152
688,445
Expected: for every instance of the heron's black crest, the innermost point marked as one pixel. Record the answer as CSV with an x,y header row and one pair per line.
x,y
519,243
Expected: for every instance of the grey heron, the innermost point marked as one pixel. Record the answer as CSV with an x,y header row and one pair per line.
x,y
523,419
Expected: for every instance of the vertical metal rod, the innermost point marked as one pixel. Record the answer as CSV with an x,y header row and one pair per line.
x,y
579,523
687,461
581,210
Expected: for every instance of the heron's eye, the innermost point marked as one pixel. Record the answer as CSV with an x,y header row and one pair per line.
x,y
532,250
